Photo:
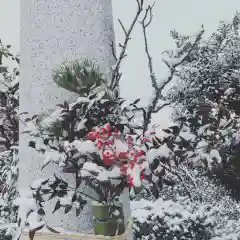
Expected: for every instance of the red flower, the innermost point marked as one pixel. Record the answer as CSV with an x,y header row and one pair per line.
x,y
108,157
130,140
143,140
99,144
92,136
124,169
106,130
123,155
132,164
116,132
130,181
110,142
108,127
138,154
141,175
103,131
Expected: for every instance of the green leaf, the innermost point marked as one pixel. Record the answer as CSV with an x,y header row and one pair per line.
x,y
57,206
67,209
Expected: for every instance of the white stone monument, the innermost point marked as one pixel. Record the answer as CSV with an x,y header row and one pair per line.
x,y
53,31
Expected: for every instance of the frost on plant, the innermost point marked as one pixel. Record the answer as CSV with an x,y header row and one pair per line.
x,y
9,104
209,100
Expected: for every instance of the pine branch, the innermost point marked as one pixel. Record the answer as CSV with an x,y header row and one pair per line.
x,y
116,75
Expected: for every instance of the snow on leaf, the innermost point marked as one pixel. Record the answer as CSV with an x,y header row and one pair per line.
x,y
84,146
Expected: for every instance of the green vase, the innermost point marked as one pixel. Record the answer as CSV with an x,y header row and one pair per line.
x,y
108,219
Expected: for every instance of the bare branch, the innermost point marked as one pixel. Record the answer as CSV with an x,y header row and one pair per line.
x,y
115,74
172,66
123,28
113,50
148,12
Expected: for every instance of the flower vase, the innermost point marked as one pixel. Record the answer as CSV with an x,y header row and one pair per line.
x,y
108,220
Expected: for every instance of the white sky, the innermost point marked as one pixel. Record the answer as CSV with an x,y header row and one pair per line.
x,y
185,16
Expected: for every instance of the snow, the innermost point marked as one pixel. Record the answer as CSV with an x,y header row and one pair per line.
x,y
90,167
214,155
162,151
135,173
84,146
187,136
37,183
120,146
53,156
229,91
202,129
67,200
115,172
102,177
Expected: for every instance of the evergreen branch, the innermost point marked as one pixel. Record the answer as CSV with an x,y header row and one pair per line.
x,y
116,75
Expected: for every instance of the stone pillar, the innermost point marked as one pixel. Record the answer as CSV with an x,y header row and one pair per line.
x,y
53,31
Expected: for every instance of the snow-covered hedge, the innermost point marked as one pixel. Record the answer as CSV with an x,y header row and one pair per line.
x,y
208,96
213,215
9,106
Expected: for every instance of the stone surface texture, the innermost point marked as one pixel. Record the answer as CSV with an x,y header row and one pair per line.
x,y
53,31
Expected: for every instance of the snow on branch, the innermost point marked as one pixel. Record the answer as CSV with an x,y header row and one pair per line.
x,y
176,61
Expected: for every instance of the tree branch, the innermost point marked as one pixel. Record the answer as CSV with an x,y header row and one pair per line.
x,y
157,109
116,75
113,50
145,24
176,61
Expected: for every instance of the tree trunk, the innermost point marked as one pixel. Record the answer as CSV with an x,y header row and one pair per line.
x,y
53,31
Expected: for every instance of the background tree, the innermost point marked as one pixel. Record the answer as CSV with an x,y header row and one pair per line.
x,y
9,106
208,96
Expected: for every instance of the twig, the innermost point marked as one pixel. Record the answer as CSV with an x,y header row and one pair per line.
x,y
86,195
116,75
145,24
151,107
123,28
113,51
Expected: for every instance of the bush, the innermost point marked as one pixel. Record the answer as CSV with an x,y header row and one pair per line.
x,y
9,104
